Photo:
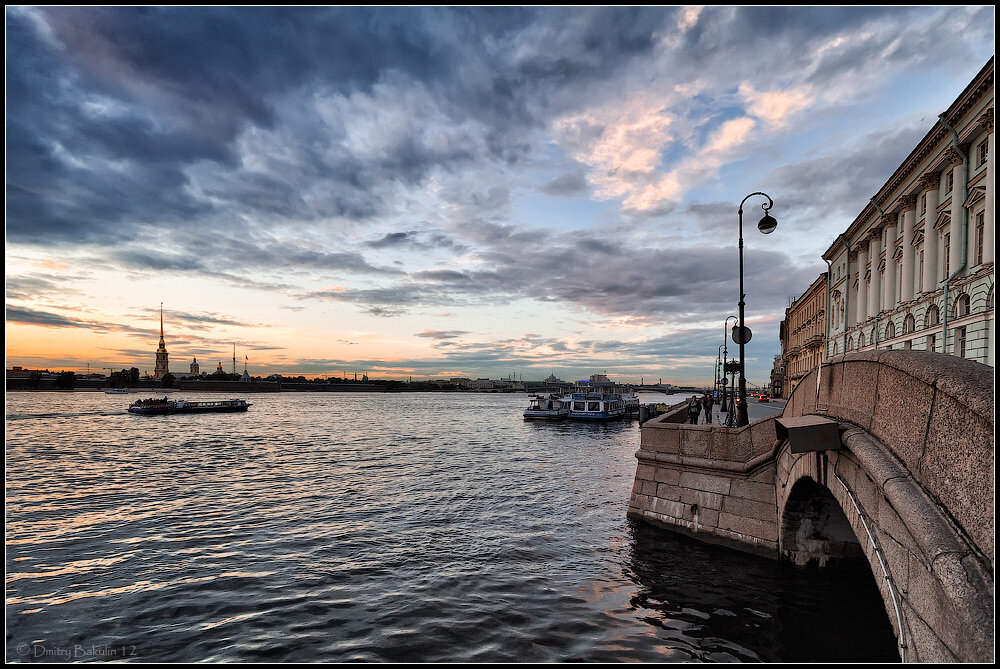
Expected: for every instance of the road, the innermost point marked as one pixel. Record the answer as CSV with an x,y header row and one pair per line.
x,y
755,410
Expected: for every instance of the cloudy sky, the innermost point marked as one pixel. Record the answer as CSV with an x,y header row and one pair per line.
x,y
436,192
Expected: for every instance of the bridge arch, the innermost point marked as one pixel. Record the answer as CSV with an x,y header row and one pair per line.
x,y
913,481
814,529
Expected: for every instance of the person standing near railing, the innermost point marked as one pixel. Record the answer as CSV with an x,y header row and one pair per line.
x,y
707,404
694,409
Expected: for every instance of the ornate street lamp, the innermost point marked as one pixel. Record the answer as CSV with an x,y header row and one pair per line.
x,y
725,355
718,368
741,333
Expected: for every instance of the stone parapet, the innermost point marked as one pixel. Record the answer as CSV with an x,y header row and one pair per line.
x,y
713,482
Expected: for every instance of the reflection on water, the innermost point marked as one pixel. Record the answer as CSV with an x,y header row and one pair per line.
x,y
733,606
334,527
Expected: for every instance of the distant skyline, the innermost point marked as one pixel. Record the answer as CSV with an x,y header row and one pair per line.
x,y
437,192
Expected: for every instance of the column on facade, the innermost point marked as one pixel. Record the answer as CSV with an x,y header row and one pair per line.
x,y
932,186
848,295
875,287
908,204
889,286
862,292
986,120
957,209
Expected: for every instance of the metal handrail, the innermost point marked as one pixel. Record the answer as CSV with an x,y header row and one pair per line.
x,y
885,572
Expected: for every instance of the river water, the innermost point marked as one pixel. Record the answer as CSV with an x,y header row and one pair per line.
x,y
377,527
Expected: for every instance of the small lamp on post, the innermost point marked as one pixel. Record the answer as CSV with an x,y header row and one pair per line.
x,y
741,333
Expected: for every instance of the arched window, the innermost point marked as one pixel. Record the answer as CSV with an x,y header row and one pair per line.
x,y
850,343
909,324
861,341
835,348
962,306
933,317
890,330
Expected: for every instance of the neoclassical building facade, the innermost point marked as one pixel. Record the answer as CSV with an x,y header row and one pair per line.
x,y
803,333
915,268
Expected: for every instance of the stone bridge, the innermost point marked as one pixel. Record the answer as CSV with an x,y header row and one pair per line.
x,y
910,490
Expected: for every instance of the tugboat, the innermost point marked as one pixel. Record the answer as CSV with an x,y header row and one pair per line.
x,y
552,407
158,407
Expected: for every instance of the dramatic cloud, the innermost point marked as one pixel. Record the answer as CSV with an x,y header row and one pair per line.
x,y
336,170
28,316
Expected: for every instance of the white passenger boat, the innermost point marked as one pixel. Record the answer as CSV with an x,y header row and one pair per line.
x,y
157,407
596,406
115,391
552,407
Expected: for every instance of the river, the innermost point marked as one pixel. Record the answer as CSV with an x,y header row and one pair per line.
x,y
415,527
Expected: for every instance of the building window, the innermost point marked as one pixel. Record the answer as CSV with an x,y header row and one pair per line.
x,y
861,341
850,343
923,203
907,345
960,342
932,343
984,149
949,181
909,324
962,306
933,317
835,348
920,272
947,254
890,330
980,227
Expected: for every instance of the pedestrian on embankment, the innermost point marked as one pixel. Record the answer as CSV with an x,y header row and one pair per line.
x,y
707,404
694,408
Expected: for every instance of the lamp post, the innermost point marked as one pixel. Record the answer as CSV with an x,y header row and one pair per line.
x,y
718,363
725,356
766,225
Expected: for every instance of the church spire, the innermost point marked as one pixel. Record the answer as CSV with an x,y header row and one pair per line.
x,y
162,365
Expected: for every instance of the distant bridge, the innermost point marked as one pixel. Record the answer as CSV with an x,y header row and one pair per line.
x,y
910,490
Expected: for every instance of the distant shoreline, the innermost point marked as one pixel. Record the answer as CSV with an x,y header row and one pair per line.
x,y
320,389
